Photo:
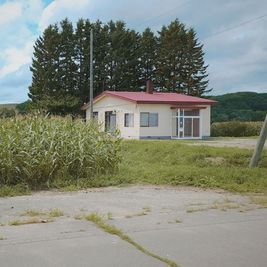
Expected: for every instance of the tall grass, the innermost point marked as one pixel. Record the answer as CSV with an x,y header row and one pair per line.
x,y
39,151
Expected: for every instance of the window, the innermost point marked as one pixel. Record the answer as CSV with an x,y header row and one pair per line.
x,y
95,115
148,119
190,112
128,120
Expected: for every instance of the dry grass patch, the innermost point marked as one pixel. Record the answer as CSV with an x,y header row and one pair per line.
x,y
30,221
259,201
32,213
224,205
55,213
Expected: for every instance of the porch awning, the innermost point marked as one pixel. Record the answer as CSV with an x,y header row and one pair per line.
x,y
187,107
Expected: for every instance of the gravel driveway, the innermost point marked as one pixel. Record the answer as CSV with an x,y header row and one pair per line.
x,y
225,142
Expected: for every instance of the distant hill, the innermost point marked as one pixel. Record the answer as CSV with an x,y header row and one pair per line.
x,y
8,106
241,106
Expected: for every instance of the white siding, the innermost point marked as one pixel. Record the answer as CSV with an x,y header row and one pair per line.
x,y
164,120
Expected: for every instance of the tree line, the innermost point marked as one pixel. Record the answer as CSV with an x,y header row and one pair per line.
x,y
123,60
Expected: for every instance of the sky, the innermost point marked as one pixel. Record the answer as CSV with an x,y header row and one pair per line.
x,y
233,32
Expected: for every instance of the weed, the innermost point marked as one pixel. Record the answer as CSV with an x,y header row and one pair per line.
x,y
195,209
32,213
147,209
111,229
109,215
2,237
31,221
55,213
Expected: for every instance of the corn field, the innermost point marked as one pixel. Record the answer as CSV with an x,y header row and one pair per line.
x,y
38,151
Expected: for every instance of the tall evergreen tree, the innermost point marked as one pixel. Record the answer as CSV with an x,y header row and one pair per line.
x,y
148,55
171,59
82,52
45,64
195,74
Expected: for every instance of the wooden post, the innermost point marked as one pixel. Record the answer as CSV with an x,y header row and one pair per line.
x,y
259,147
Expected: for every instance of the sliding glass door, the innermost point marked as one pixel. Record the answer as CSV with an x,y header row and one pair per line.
x,y
186,124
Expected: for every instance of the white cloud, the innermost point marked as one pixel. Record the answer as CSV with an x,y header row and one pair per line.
x,y
60,9
15,58
9,12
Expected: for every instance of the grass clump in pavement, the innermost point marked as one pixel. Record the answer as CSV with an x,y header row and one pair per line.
x,y
30,221
111,229
51,213
32,213
55,213
2,237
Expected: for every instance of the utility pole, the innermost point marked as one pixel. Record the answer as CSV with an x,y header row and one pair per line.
x,y
91,76
259,147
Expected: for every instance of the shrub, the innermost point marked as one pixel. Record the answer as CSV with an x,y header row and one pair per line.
x,y
236,128
37,151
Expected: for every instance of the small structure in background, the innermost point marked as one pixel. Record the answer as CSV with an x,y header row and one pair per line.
x,y
152,115
259,147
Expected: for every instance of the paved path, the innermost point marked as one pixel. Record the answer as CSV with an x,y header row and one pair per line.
x,y
190,226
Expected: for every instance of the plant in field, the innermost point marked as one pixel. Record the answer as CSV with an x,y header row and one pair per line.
x,y
38,151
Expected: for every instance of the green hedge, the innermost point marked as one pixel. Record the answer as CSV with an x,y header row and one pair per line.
x,y
38,151
236,128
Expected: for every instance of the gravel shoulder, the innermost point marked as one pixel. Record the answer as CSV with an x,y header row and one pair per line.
x,y
228,142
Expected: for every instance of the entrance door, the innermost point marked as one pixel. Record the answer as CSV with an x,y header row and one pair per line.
x,y
191,127
110,121
187,124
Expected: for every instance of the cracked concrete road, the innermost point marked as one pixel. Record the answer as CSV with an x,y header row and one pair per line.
x,y
193,227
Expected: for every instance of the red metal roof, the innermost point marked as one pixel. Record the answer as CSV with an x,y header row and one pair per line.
x,y
156,98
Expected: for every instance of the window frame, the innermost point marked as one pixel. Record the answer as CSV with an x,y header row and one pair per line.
x,y
148,124
129,124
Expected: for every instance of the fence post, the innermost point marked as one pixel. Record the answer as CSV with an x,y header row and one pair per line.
x,y
260,144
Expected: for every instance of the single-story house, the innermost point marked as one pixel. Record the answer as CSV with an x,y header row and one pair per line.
x,y
152,115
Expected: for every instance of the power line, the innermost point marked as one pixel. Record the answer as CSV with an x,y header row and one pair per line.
x,y
236,26
162,14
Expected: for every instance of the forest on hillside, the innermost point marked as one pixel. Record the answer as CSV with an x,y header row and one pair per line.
x,y
240,106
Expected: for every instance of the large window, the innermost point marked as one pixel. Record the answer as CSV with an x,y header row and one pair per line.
x,y
128,120
148,119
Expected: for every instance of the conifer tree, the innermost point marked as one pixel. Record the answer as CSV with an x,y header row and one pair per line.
x,y
148,55
82,52
45,65
171,59
195,75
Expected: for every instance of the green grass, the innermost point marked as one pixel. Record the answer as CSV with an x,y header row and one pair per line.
x,y
113,230
175,163
15,190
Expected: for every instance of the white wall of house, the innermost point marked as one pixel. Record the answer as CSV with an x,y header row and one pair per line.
x,y
120,107
205,121
165,118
